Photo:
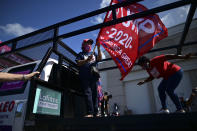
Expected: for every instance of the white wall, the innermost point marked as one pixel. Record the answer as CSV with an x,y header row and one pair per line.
x,y
138,98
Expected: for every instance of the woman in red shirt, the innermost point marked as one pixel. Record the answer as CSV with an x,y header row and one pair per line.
x,y
171,74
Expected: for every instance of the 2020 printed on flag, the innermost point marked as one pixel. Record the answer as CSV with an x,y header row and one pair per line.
x,y
126,41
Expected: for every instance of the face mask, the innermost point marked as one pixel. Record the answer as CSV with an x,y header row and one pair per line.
x,y
87,48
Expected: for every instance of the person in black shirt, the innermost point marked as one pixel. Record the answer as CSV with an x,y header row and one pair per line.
x,y
89,82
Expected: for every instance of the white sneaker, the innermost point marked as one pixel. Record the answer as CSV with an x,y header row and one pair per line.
x,y
164,111
180,111
88,116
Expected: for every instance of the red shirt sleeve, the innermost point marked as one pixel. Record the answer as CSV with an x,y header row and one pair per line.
x,y
163,67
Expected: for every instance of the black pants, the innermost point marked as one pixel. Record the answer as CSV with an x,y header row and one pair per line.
x,y
91,95
168,86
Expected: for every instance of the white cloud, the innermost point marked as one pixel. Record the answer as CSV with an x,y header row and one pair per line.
x,y
175,16
163,2
170,18
16,29
99,19
105,3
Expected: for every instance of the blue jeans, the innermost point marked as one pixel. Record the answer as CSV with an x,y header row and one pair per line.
x,y
168,86
91,95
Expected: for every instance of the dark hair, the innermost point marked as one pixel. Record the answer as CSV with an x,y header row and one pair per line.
x,y
87,41
142,60
91,41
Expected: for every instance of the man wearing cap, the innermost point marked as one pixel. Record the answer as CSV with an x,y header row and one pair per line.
x,y
89,82
171,74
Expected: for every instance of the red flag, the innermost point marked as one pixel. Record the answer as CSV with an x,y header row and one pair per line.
x,y
151,30
126,41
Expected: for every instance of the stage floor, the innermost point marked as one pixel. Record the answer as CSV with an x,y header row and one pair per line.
x,y
146,122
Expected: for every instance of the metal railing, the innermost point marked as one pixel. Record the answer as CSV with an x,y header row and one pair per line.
x,y
56,39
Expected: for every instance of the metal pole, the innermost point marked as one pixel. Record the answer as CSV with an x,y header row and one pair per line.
x,y
186,28
55,38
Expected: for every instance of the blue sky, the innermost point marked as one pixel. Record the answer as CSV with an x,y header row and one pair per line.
x,y
18,17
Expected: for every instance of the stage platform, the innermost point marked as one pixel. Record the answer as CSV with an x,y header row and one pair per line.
x,y
148,122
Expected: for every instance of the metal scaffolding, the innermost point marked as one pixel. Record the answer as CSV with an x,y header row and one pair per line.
x,y
56,38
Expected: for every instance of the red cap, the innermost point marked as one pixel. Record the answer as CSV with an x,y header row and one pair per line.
x,y
87,40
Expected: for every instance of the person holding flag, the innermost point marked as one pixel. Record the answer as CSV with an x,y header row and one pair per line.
x,y
127,41
171,73
87,61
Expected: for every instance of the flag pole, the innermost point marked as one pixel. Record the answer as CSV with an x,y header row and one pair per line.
x,y
94,49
